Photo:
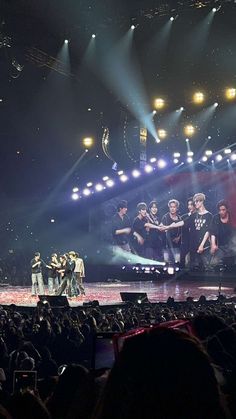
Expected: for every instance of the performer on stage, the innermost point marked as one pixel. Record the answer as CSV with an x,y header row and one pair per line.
x,y
121,228
199,226
222,232
66,271
173,237
79,273
154,241
53,280
140,231
37,275
185,240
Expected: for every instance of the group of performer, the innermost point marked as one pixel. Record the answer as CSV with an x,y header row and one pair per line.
x,y
197,239
65,274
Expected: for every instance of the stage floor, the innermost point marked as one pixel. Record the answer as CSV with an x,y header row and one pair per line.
x,y
157,290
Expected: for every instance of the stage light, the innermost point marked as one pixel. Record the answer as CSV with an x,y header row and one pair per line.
x,y
123,178
110,183
219,157
230,93
86,192
52,220
190,153
170,270
204,158
208,152
189,160
132,27
66,41
75,196
154,112
161,164
214,9
136,173
189,130
216,104
93,35
233,157
175,161
159,103
148,168
172,18
99,187
162,133
75,189
181,109
198,98
105,178
89,184
227,151
120,172
88,141
177,154
153,160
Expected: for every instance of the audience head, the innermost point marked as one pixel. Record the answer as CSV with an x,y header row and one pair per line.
x,y
161,373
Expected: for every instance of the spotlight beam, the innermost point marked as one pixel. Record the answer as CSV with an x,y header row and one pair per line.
x,y
62,182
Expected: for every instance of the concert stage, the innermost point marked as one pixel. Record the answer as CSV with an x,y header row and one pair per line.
x,y
158,289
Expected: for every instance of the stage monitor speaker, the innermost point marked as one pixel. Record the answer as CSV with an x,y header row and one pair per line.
x,y
134,297
55,300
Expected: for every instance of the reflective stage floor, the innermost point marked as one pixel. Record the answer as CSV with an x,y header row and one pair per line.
x,y
158,290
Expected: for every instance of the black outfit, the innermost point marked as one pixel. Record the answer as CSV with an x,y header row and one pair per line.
x,y
138,227
172,234
154,240
118,223
172,248
224,233
37,269
185,239
67,278
199,225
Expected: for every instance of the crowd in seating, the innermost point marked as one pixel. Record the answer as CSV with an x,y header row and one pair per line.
x,y
160,372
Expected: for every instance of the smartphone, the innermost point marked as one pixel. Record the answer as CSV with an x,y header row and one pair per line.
x,y
103,355
24,380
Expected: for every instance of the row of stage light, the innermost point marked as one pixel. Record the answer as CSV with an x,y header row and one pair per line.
x,y
155,164
133,27
198,98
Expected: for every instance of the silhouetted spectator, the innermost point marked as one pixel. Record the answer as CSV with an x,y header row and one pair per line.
x,y
164,374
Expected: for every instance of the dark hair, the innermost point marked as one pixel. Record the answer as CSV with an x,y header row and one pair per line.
x,y
190,199
141,206
122,204
151,204
170,375
37,254
222,203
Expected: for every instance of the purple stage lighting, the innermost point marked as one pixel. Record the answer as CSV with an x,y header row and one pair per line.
x,y
110,183
161,164
75,196
86,192
136,173
123,178
99,187
148,168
